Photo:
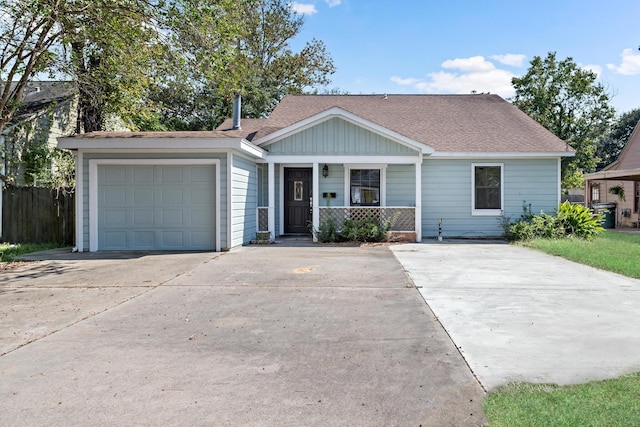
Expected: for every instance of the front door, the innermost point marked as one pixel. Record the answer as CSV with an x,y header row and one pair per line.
x,y
297,200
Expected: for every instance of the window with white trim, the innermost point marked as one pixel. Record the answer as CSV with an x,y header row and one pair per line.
x,y
487,188
365,187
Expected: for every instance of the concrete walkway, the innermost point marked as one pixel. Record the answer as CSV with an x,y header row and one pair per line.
x,y
257,337
520,315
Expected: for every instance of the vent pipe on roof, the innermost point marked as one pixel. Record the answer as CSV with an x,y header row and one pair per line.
x,y
237,107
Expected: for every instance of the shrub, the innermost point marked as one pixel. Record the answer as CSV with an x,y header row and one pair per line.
x,y
579,221
328,231
571,220
368,229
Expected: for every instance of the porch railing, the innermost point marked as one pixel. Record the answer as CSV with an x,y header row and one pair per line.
x,y
402,218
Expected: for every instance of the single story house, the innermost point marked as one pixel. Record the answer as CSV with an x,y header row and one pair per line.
x,y
623,174
449,165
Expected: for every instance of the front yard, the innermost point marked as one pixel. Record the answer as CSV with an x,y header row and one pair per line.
x,y
613,402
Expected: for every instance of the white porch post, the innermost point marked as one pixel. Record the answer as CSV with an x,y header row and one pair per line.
x,y
315,218
271,211
418,213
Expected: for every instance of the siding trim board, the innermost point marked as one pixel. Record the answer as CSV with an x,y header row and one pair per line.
x,y
93,189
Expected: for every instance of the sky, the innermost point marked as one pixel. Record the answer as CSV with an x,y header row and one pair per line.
x,y
460,46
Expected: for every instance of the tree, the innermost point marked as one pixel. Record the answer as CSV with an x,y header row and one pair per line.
x,y
28,31
231,47
569,102
111,49
610,147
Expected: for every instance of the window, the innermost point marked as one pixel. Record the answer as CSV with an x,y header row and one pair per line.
x,y
365,187
636,198
487,189
595,193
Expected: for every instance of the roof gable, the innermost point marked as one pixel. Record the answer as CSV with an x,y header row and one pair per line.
x,y
336,112
339,137
630,156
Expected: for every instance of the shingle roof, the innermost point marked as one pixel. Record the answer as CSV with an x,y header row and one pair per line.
x,y
447,123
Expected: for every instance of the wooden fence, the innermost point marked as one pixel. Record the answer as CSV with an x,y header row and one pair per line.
x,y
37,215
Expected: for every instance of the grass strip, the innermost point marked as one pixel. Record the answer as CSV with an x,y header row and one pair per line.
x,y
613,402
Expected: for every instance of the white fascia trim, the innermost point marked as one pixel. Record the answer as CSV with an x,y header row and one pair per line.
x,y
497,155
360,160
173,145
350,117
486,212
93,189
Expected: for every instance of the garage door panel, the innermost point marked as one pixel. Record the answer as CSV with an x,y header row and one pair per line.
x,y
201,174
143,195
143,218
115,175
115,196
143,239
115,217
172,196
172,217
115,239
172,174
143,174
156,207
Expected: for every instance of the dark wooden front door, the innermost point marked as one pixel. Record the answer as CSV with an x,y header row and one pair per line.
x,y
297,200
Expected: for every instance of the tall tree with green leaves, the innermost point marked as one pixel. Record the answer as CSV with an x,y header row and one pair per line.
x,y
235,46
29,29
610,146
111,49
569,102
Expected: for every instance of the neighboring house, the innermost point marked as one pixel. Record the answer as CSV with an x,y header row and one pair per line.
x,y
449,164
623,173
48,111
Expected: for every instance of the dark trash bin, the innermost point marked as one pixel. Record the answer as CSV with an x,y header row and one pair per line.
x,y
608,209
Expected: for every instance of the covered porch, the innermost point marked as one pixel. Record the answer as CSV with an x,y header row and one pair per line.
x,y
340,189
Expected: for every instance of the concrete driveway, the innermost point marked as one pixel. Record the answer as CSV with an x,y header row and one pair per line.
x,y
260,336
520,315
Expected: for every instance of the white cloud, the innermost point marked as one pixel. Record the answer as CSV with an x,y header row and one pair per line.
x,y
463,75
303,8
333,3
405,82
473,64
512,59
630,64
597,69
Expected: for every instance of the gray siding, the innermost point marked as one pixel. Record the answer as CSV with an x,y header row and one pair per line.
x,y
446,189
401,185
338,137
85,183
244,200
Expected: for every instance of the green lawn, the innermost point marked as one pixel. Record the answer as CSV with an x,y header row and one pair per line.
x,y
8,251
610,250
603,403
613,402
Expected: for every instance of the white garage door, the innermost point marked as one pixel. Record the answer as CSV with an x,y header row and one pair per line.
x,y
156,207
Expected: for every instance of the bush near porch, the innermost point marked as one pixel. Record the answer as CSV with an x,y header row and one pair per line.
x,y
368,229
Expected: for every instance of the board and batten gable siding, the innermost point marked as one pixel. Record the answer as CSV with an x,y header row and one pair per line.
x,y
121,156
446,194
338,137
333,183
244,200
